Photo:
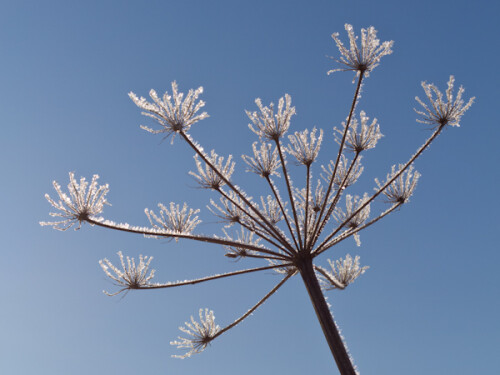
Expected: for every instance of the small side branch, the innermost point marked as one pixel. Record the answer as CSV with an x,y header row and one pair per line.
x,y
247,314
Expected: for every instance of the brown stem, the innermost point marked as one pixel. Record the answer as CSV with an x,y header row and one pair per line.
x,y
325,318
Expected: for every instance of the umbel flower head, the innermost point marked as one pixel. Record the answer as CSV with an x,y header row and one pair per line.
x,y
131,276
171,111
305,146
343,272
358,140
403,187
364,58
352,205
269,125
441,112
207,177
201,333
265,162
84,201
175,219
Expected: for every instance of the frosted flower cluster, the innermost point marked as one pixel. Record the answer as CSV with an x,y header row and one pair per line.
x,y
207,177
343,272
403,187
442,112
269,125
358,140
131,276
174,112
353,216
84,201
174,219
304,146
363,58
265,162
200,334
345,175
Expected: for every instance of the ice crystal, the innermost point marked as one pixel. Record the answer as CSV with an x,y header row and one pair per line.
x,y
403,187
269,125
343,272
171,111
443,112
80,205
175,219
271,209
305,146
364,58
207,177
265,162
200,334
131,276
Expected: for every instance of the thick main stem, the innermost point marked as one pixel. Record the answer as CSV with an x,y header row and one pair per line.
x,y
325,318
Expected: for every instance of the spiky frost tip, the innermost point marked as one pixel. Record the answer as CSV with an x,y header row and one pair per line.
x,y
85,201
174,219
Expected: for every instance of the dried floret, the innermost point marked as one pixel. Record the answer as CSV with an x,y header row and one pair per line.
x,y
269,125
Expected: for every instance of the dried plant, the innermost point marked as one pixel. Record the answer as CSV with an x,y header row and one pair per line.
x,y
288,232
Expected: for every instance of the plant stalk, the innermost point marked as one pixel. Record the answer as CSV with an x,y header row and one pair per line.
x,y
325,318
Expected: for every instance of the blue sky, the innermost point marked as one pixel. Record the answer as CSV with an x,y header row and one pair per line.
x,y
429,303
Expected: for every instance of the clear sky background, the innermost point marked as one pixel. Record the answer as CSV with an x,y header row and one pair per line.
x,y
429,304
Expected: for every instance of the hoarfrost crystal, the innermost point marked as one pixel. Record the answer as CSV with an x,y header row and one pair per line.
x,y
175,219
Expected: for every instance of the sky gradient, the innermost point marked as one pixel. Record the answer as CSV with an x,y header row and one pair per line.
x,y
429,304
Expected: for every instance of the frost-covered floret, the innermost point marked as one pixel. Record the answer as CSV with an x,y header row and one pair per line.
x,y
365,58
269,125
358,140
304,146
230,211
207,177
171,111
175,219
265,162
343,273
201,334
343,174
352,205
403,186
271,209
245,238
442,112
80,205
131,276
